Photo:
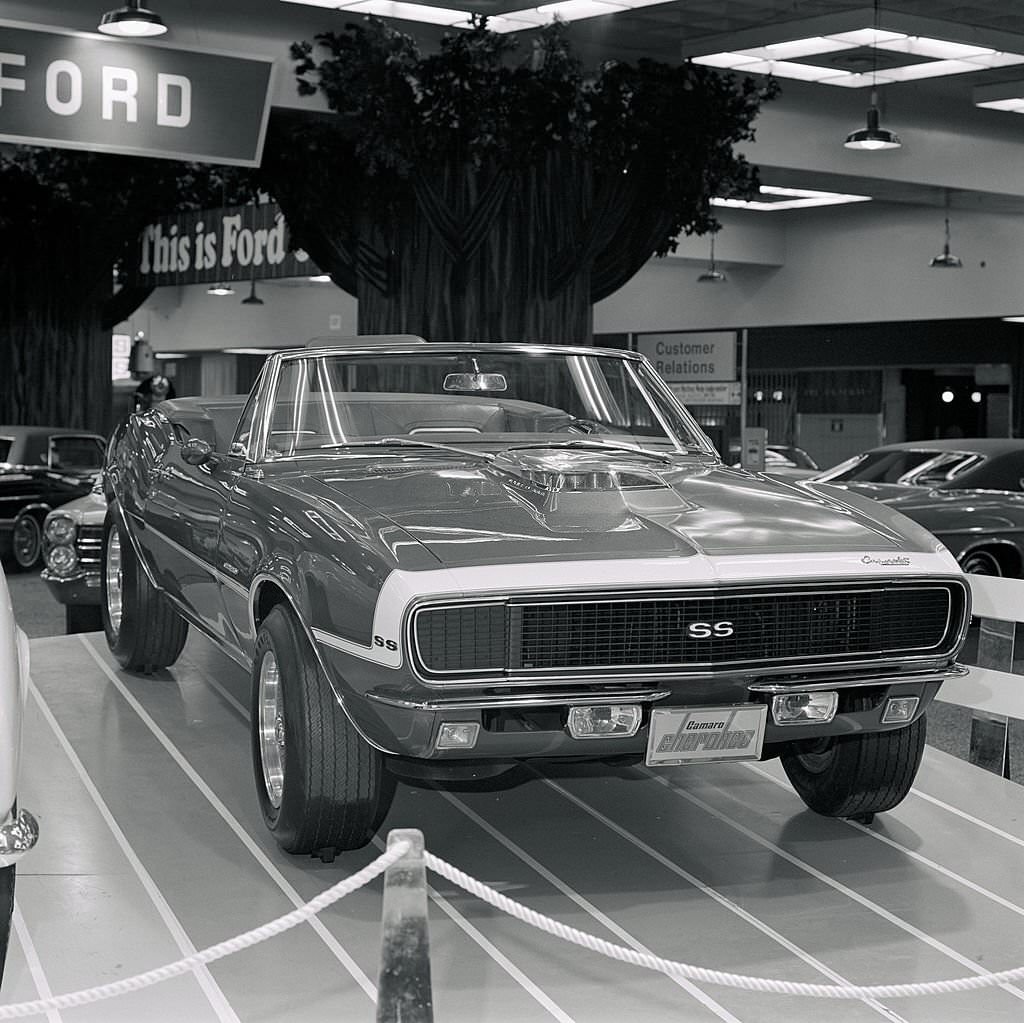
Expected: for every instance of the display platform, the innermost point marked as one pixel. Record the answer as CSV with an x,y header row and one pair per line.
x,y
152,846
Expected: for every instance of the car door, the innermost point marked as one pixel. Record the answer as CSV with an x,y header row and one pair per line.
x,y
182,513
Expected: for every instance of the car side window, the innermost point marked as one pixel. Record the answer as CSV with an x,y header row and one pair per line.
x,y
241,445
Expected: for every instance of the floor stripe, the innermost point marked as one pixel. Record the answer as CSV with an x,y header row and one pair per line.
x,y
968,817
202,974
232,822
35,965
722,900
588,907
978,889
532,989
850,893
457,918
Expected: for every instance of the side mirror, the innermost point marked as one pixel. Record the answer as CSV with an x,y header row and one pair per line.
x,y
197,452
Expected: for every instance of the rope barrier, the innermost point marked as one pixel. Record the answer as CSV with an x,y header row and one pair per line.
x,y
699,973
400,848
214,952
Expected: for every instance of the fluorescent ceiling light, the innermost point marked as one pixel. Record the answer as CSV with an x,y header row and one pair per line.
x,y
250,351
1001,96
166,356
505,21
791,199
943,57
1013,319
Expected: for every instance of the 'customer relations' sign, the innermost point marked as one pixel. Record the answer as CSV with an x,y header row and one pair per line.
x,y
74,90
691,357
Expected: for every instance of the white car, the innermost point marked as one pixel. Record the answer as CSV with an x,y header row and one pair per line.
x,y
19,831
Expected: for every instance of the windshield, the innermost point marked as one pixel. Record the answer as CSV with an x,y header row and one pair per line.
x,y
495,399
918,467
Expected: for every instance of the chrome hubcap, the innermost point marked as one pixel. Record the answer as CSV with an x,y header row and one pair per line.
x,y
114,579
26,541
271,725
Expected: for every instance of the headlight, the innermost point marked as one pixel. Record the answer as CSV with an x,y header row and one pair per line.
x,y
60,529
61,560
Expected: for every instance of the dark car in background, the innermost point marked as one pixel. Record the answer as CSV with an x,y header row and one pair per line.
x,y
41,468
969,492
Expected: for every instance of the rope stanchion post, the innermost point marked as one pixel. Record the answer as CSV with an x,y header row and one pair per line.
x,y
403,986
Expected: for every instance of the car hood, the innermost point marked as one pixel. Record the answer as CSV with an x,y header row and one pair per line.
x,y
949,511
563,505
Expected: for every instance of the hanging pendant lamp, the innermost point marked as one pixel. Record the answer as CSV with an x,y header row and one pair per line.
x,y
712,275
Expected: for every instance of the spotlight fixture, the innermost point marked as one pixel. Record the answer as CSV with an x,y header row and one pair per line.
x,y
945,257
132,20
712,275
220,289
873,136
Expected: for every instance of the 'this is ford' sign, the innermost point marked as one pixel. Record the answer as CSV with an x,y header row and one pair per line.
x,y
78,91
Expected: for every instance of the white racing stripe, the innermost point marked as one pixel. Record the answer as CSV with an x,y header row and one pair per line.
x,y
35,965
232,822
202,974
819,875
722,900
588,907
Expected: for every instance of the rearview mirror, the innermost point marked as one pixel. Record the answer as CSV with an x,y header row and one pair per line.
x,y
475,382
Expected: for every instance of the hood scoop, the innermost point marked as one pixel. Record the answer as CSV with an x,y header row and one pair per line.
x,y
555,472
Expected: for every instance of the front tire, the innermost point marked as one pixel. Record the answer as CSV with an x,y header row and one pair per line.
x,y
981,563
27,542
856,775
144,631
322,787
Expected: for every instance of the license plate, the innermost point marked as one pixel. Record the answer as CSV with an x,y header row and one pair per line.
x,y
686,735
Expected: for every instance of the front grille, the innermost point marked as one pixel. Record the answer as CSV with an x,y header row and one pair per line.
x,y
88,546
697,630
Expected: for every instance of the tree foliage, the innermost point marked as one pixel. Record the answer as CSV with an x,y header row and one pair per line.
x,y
468,138
66,219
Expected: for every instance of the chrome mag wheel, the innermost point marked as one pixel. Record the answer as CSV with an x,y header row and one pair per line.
x,y
271,725
114,579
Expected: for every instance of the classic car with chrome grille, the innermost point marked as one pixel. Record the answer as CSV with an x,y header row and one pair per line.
x,y
41,467
439,561
72,536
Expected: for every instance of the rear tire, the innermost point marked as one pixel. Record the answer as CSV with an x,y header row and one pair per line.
x,y
144,631
322,787
27,542
856,775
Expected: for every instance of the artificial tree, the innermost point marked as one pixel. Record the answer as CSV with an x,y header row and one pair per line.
x,y
66,218
481,193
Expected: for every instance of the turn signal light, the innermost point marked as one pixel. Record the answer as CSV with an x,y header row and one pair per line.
x,y
619,720
458,735
899,709
804,708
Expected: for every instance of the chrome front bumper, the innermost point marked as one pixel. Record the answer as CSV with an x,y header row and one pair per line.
x,y
17,836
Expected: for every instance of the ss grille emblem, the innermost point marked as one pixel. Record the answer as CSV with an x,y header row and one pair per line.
x,y
706,630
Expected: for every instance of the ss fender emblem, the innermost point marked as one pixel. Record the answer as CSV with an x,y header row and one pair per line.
x,y
705,630
388,644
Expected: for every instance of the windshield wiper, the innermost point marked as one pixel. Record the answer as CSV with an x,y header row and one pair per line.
x,y
597,445
405,442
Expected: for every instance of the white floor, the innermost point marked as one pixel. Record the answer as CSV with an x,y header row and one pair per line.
x,y
152,846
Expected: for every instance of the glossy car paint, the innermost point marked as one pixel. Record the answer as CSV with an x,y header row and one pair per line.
x,y
355,540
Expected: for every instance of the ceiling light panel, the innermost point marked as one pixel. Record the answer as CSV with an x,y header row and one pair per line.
x,y
789,199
